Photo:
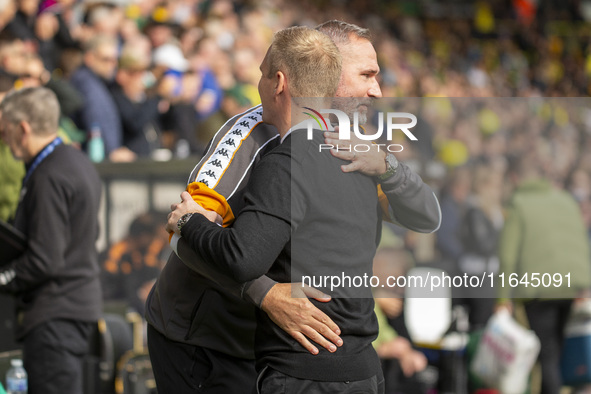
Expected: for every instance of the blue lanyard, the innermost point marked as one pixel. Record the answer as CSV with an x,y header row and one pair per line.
x,y
41,156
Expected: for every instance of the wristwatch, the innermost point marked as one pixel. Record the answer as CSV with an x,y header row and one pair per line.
x,y
183,220
391,167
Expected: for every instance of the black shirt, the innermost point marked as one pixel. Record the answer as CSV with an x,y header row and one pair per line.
x,y
58,275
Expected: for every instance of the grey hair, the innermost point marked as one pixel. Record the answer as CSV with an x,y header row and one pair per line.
x,y
36,106
340,32
98,41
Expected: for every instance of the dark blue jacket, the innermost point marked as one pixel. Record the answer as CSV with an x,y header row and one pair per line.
x,y
99,108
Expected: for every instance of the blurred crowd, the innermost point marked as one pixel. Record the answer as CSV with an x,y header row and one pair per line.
x,y
151,74
155,79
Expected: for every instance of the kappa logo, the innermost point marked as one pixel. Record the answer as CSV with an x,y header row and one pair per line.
x,y
216,163
222,152
211,174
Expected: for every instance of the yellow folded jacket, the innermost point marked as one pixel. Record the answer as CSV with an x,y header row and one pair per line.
x,y
210,200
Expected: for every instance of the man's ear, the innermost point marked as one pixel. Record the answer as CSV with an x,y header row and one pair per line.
x,y
280,83
25,129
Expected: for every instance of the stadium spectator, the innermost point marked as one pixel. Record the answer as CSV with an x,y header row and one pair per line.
x,y
139,113
12,171
543,233
99,109
13,55
130,267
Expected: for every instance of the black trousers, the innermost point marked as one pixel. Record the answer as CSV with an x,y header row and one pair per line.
x,y
180,368
271,381
547,319
54,353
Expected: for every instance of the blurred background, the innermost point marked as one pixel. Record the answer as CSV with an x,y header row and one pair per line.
x,y
143,86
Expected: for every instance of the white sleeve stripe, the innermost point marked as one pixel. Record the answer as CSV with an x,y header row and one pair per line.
x,y
234,154
217,164
208,155
218,132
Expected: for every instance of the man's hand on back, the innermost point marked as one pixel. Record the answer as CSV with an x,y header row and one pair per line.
x,y
288,306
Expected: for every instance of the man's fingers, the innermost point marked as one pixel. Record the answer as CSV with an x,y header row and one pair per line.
x,y
327,322
298,336
320,316
351,167
314,335
327,329
353,157
185,196
341,145
331,135
312,292
343,154
171,225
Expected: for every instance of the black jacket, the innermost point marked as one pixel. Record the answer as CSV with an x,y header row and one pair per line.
x,y
58,275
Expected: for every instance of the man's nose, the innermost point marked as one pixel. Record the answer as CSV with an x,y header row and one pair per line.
x,y
374,90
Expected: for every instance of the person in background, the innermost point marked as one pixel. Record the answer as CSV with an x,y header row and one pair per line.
x,y
543,233
7,11
100,19
22,26
13,55
70,101
140,113
453,205
479,232
179,85
56,280
130,267
400,362
99,109
12,170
